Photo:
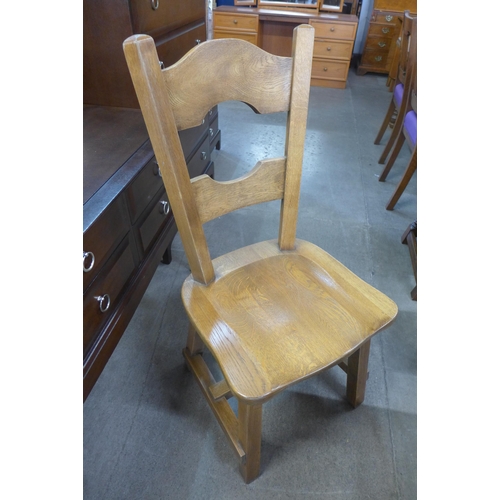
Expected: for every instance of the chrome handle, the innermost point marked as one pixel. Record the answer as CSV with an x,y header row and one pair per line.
x,y
378,58
198,41
203,155
165,207
385,30
86,269
211,132
388,18
104,302
162,66
382,44
155,4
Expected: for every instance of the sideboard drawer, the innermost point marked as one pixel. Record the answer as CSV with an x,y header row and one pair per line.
x,y
375,59
248,37
102,237
381,44
385,30
330,70
334,30
143,188
101,298
341,49
236,22
159,215
201,158
173,49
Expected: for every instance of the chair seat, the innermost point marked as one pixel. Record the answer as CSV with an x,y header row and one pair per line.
x,y
273,318
398,94
410,125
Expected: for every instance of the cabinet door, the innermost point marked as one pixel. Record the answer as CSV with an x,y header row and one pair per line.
x,y
156,16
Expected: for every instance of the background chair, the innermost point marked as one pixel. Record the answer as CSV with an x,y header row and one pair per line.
x,y
397,106
276,312
408,131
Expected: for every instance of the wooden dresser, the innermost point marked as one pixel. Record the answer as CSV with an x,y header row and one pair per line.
x,y
127,223
383,32
271,29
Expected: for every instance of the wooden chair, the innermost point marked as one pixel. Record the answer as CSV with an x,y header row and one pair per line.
x,y
408,131
276,312
399,99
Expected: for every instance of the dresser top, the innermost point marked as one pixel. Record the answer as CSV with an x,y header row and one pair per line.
x,y
110,137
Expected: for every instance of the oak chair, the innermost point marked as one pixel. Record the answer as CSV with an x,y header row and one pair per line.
x,y
397,106
276,312
408,130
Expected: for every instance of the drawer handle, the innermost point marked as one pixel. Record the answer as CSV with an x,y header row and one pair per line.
x,y
325,69
378,58
388,18
198,41
157,169
86,269
332,29
382,44
235,21
211,132
162,66
385,30
328,48
165,207
203,155
104,302
155,4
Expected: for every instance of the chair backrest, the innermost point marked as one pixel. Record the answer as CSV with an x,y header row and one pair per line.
x,y
180,96
406,41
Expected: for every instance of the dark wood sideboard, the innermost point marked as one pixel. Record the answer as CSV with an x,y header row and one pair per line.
x,y
127,223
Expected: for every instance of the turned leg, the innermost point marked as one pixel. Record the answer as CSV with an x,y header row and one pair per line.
x,y
357,374
249,433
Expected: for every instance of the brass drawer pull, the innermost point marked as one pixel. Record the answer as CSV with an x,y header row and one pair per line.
x,y
378,58
385,30
388,18
86,269
382,44
104,302
155,4
165,207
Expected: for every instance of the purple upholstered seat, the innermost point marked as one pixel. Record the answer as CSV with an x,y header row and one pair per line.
x,y
398,94
410,124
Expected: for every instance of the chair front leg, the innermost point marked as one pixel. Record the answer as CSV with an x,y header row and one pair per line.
x,y
250,433
357,374
194,343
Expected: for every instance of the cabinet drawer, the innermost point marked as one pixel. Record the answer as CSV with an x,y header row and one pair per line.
x,y
334,31
167,16
339,49
115,275
248,37
102,237
190,137
201,158
386,17
159,215
377,43
171,50
385,30
330,70
375,59
142,189
236,22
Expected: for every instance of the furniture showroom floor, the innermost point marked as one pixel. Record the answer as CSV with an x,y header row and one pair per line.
x,y
148,432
